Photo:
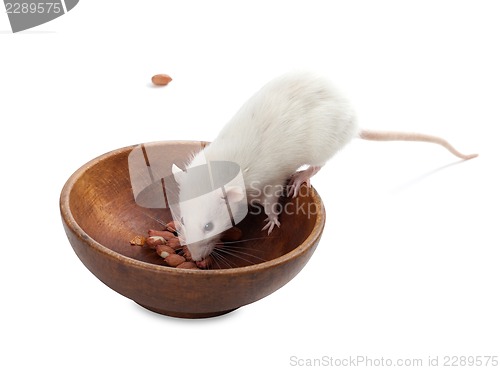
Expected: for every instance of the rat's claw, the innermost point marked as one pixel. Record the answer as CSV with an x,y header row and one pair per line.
x,y
294,187
301,177
270,224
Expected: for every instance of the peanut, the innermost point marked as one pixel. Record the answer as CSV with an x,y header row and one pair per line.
x,y
164,234
188,265
138,240
153,241
174,243
173,226
161,79
164,251
186,253
204,263
174,260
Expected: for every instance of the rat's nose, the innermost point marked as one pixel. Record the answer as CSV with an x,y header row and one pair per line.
x,y
196,252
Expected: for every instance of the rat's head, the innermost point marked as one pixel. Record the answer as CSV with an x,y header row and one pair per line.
x,y
205,214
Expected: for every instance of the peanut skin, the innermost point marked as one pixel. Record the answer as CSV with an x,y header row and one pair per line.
x,y
205,263
188,265
174,243
173,226
174,260
161,79
164,251
186,253
153,241
164,234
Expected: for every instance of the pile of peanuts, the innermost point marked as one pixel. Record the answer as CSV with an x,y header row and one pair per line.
x,y
168,246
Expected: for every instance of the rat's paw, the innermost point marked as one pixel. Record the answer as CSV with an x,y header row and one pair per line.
x,y
296,181
272,220
301,177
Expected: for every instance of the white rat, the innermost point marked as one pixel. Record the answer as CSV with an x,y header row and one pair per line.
x,y
295,120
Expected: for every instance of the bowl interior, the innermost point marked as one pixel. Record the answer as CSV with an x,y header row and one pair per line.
x,y
102,203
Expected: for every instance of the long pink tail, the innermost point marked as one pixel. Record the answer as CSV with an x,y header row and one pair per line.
x,y
410,136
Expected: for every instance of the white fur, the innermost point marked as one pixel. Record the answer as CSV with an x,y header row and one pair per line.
x,y
294,120
297,119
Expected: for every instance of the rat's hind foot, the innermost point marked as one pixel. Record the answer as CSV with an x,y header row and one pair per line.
x,y
300,177
272,220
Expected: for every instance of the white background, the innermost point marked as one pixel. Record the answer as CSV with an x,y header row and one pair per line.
x,y
408,266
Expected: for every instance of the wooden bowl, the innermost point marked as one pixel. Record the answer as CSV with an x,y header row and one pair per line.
x,y
100,216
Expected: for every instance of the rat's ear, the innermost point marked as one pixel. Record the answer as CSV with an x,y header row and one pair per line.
x,y
234,194
177,172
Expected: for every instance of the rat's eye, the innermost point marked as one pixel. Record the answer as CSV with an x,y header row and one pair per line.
x,y
209,226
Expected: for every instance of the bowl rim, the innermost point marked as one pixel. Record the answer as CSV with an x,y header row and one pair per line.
x,y
68,219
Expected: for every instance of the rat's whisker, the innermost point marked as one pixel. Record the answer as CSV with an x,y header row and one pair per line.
x,y
236,255
223,258
240,247
228,262
218,256
213,261
239,251
244,240
161,222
